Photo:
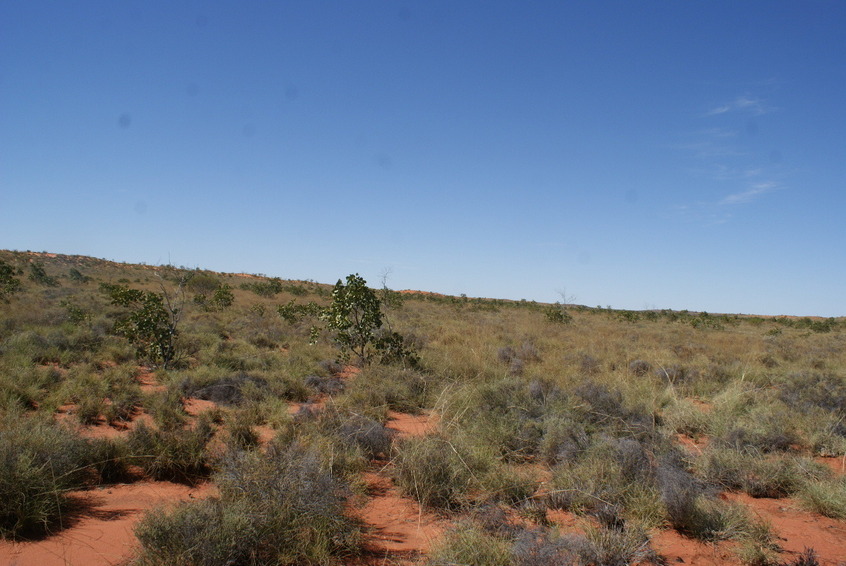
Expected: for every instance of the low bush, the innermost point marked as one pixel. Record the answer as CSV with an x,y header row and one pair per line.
x,y
467,543
470,543
825,496
379,389
613,480
431,470
282,507
537,547
757,474
110,458
166,409
640,367
240,434
345,441
112,394
39,463
173,454
616,547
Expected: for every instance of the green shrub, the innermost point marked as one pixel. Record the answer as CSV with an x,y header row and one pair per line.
x,y
39,463
432,471
151,321
38,274
9,284
825,496
174,454
378,389
282,507
467,543
199,533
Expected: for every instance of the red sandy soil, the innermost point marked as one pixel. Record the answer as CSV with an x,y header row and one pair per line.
x,y
797,529
100,533
398,530
412,425
147,380
836,464
678,549
692,445
194,406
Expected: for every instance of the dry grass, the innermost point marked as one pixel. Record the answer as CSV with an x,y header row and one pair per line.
x,y
583,415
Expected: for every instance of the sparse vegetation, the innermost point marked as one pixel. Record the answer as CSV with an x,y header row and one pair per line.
x,y
282,507
39,463
630,421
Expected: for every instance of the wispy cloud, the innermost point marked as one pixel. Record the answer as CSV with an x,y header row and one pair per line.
x,y
727,164
750,194
752,105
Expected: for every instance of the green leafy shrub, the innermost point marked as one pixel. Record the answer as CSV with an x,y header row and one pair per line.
x,y
38,274
9,284
558,314
151,324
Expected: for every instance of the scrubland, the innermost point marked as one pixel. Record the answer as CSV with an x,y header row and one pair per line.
x,y
556,434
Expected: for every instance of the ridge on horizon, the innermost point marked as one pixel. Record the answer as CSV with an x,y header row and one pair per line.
x,y
59,256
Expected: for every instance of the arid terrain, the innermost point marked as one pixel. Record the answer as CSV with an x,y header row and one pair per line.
x,y
246,425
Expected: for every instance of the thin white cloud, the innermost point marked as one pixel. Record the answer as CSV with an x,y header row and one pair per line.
x,y
744,103
750,194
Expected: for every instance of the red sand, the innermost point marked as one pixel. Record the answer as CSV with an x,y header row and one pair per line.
x,y
412,425
397,529
797,529
101,534
678,549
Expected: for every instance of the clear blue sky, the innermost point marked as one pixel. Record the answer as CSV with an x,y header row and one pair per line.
x,y
632,154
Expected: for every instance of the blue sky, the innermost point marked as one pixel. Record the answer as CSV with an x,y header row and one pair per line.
x,y
632,154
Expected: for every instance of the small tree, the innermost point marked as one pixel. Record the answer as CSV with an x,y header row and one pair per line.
x,y
354,315
38,274
222,298
152,323
9,284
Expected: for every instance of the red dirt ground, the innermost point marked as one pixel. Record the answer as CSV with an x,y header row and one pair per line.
x,y
398,531
101,533
797,529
